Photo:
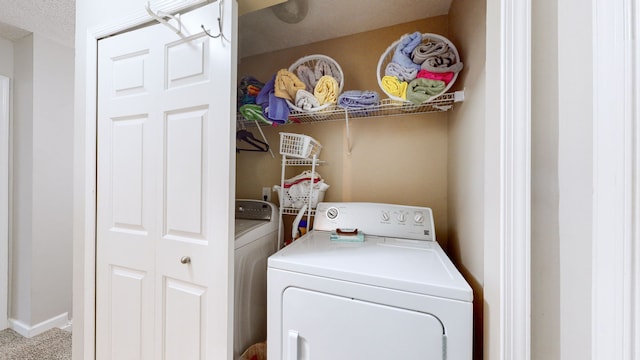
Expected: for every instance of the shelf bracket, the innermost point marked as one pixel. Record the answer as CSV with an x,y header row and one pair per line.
x,y
265,139
346,119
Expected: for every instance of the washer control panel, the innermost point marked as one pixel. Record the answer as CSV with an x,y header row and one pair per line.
x,y
255,210
398,221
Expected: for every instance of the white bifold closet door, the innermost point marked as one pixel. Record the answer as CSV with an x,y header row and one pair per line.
x,y
166,109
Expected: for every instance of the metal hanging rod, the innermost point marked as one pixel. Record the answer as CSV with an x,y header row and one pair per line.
x,y
160,16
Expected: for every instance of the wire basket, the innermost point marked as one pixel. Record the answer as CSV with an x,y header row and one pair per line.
x,y
386,57
310,61
255,352
298,145
297,200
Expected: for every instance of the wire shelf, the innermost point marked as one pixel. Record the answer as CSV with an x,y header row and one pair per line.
x,y
387,107
294,211
301,162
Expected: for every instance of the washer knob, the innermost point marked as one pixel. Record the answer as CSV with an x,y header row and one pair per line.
x,y
401,217
385,216
419,218
332,213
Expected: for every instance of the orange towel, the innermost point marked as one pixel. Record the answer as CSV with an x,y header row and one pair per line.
x,y
287,85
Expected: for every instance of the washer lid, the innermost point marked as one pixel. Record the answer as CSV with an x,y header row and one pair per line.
x,y
407,265
248,231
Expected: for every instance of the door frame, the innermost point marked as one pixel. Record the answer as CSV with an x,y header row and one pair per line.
x,y
507,235
615,276
5,196
508,231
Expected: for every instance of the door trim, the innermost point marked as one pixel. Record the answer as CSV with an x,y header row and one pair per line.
x,y
84,283
5,196
514,195
616,181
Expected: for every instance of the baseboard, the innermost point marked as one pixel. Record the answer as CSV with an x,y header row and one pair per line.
x,y
60,321
68,326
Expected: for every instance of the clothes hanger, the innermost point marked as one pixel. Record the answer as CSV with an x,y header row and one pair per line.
x,y
246,136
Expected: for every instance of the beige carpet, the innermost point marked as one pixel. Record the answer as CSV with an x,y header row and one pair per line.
x,y
54,344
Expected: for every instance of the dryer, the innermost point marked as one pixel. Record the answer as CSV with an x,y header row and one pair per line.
x,y
256,238
393,295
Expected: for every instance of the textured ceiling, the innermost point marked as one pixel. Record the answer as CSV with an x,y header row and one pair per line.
x,y
54,19
260,31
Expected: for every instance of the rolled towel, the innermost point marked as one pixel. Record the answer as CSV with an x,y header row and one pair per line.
x,y
307,76
431,48
254,90
394,87
426,74
273,107
287,84
326,90
421,90
446,62
253,112
248,89
409,42
401,72
324,67
306,101
357,99
402,53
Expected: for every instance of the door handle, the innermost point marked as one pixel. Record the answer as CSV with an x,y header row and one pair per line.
x,y
185,260
292,348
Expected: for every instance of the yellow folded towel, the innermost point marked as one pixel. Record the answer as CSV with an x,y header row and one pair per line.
x,y
326,90
394,87
287,85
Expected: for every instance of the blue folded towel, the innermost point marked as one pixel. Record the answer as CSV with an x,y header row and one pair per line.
x,y
404,49
273,107
357,99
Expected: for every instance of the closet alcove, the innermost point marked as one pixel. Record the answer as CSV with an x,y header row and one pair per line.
x,y
432,159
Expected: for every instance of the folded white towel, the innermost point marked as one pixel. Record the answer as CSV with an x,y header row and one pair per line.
x,y
306,101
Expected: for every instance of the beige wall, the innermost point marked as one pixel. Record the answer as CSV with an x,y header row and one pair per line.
x,y
466,155
394,159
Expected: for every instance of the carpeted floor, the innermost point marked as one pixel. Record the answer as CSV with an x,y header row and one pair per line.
x,y
54,344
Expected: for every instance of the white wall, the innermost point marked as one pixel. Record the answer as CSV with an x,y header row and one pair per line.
x,y
20,302
545,236
6,57
575,175
52,178
562,188
43,175
6,77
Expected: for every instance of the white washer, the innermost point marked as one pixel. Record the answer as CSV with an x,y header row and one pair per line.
x,y
256,238
396,295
